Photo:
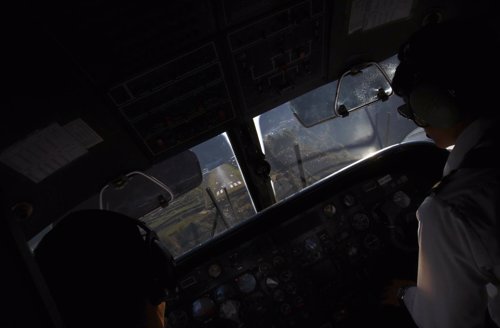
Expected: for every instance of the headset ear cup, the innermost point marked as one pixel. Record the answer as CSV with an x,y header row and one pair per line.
x,y
434,105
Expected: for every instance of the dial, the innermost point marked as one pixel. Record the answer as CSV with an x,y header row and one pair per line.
x,y
224,292
214,270
360,221
311,244
401,199
349,200
203,308
329,210
230,310
246,283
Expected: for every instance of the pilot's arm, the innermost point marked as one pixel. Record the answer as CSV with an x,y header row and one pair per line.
x,y
450,290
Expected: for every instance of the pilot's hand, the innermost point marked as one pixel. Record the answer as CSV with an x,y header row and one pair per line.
x,y
390,294
155,315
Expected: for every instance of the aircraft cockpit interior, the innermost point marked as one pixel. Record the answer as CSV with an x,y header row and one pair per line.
x,y
260,140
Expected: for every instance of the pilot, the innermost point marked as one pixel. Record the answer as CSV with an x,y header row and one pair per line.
x,y
448,77
99,270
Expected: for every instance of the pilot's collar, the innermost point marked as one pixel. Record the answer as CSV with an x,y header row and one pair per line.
x,y
466,141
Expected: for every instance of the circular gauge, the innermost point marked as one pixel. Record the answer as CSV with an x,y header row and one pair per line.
x,y
230,310
224,292
349,200
214,270
246,283
203,308
329,210
311,244
401,199
360,221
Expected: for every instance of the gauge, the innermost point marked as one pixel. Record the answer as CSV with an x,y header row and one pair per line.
x,y
349,200
224,292
310,244
203,308
329,210
230,310
360,221
246,283
214,270
401,199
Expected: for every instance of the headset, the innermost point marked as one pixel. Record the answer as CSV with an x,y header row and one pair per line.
x,y
433,75
431,105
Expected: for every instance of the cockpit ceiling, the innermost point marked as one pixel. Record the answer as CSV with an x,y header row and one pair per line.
x,y
174,78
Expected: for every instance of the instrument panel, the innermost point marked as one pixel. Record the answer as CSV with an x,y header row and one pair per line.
x,y
324,266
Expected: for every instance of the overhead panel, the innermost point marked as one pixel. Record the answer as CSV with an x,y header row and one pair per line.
x,y
280,54
182,71
176,101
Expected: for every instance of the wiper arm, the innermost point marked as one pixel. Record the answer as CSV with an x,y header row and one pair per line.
x,y
300,165
219,211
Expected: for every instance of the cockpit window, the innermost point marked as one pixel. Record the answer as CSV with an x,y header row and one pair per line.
x,y
220,202
300,156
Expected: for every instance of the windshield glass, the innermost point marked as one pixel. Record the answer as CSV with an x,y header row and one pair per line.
x,y
300,156
220,202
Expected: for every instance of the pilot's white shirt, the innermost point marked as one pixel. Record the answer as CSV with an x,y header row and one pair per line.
x,y
459,244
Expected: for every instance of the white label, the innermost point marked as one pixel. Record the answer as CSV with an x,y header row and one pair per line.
x,y
43,152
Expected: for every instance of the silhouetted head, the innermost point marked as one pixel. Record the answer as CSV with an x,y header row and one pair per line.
x,y
448,76
95,264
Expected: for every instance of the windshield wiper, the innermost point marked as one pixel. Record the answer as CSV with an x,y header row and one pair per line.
x,y
219,212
